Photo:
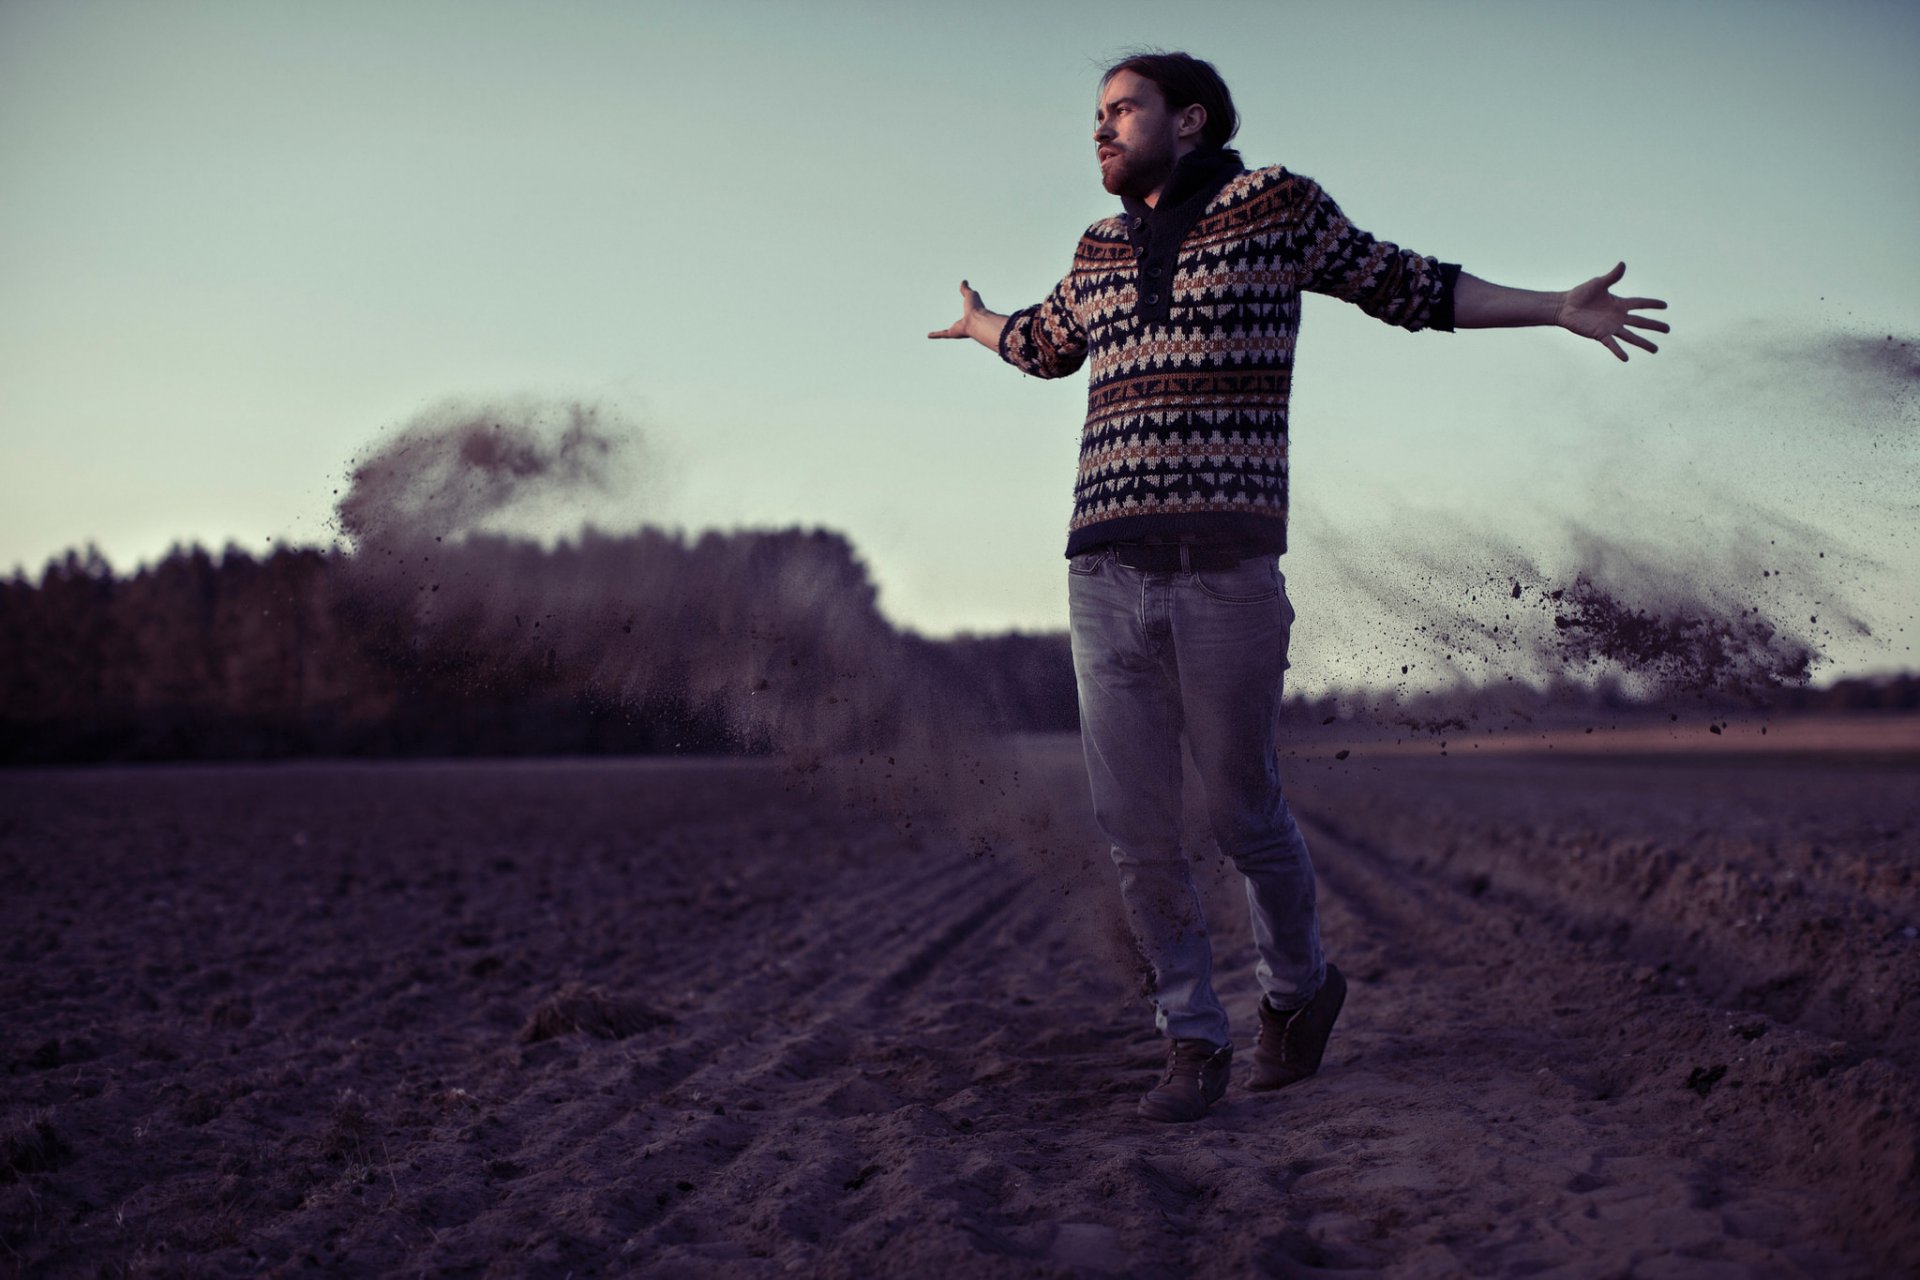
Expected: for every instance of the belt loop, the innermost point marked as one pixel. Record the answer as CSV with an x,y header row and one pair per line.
x,y
1186,557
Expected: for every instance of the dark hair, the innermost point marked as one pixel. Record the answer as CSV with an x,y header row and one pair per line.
x,y
1184,80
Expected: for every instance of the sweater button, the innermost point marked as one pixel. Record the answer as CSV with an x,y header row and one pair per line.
x,y
1152,299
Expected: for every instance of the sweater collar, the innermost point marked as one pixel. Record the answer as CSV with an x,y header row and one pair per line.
x,y
1197,173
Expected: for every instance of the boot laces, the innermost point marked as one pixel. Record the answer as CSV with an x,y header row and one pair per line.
x,y
1188,1059
1281,1031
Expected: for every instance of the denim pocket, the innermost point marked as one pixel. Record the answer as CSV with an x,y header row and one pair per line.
x,y
1086,563
1249,582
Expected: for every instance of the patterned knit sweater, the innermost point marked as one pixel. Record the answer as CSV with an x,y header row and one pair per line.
x,y
1186,315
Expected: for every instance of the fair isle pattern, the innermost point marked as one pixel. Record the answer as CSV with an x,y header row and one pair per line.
x,y
1186,431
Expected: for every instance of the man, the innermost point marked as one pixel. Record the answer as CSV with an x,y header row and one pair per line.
x,y
1185,308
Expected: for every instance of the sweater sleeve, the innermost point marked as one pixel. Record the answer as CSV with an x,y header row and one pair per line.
x,y
1385,281
1046,340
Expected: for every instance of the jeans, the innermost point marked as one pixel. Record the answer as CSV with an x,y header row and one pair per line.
x,y
1201,653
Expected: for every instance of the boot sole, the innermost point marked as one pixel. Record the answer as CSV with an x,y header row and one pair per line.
x,y
1169,1116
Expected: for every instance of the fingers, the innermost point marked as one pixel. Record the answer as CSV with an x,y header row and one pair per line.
x,y
958,329
1621,310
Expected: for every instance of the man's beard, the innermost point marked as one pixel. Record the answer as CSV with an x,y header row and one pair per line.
x,y
1132,174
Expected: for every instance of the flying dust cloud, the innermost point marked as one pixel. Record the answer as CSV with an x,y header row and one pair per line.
x,y
776,631
1727,569
1656,620
775,634
449,470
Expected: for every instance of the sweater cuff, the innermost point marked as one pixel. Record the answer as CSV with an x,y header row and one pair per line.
x,y
1008,331
1441,317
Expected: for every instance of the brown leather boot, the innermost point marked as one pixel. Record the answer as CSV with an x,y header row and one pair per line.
x,y
1196,1077
1292,1043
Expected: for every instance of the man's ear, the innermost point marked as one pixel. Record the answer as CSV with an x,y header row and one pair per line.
x,y
1193,118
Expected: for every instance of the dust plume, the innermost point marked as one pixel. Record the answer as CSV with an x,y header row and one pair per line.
x,y
1893,360
1655,619
1730,539
775,634
455,466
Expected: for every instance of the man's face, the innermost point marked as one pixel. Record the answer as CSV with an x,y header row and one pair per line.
x,y
1137,138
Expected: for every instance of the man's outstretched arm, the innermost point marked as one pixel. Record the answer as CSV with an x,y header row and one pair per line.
x,y
1590,310
1044,340
976,322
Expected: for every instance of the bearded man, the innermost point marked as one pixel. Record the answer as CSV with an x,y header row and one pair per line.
x,y
1184,307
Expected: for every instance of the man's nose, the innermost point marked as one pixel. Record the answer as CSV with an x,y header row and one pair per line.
x,y
1102,132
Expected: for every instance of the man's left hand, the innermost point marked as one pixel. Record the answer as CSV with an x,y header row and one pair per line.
x,y
1592,311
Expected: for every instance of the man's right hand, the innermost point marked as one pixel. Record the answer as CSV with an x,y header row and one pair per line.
x,y
975,321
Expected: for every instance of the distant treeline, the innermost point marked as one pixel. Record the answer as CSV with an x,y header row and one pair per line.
x,y
1437,710
311,652
644,643
1855,693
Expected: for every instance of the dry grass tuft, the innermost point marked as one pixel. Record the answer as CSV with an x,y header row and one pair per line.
x,y
598,1013
32,1146
348,1127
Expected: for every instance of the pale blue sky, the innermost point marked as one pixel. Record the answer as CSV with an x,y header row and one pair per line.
x,y
238,242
